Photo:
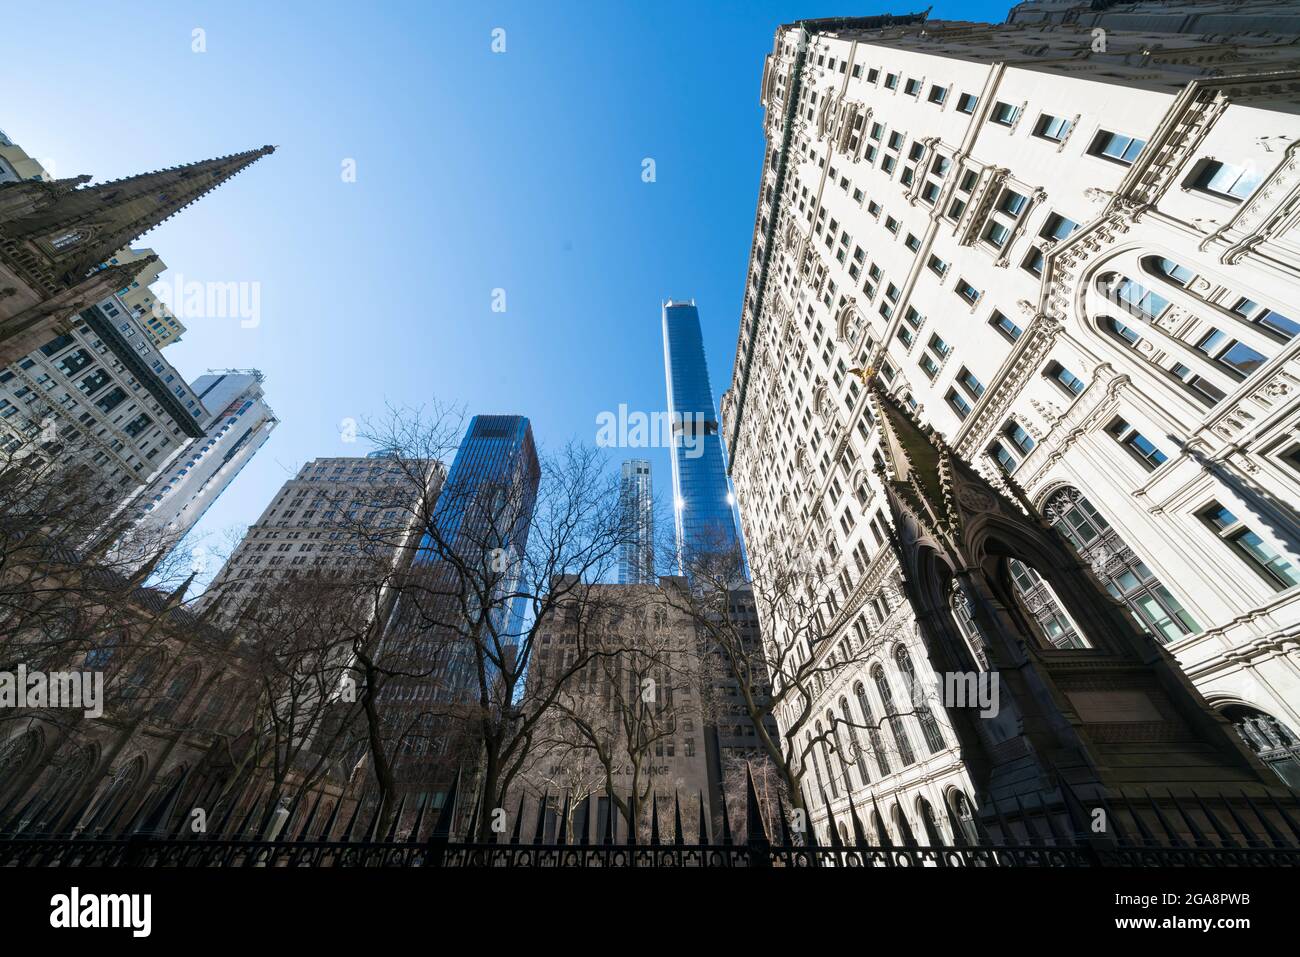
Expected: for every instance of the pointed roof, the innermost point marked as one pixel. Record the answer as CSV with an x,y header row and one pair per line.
x,y
117,212
919,457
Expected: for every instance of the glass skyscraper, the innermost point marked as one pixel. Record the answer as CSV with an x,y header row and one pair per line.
x,y
479,527
486,505
636,560
703,506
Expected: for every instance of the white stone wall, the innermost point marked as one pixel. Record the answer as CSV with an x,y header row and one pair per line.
x,y
800,442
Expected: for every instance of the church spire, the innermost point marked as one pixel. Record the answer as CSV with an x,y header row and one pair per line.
x,y
75,230
921,461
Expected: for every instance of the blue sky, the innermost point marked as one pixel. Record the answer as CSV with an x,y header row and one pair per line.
x,y
475,171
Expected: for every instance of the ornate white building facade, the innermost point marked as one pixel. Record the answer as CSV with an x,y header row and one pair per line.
x,y
1071,243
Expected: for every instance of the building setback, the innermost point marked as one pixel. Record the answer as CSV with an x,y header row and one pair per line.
x,y
1074,255
240,423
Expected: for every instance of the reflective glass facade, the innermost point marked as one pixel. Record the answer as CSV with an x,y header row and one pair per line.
x,y
703,506
492,480
636,560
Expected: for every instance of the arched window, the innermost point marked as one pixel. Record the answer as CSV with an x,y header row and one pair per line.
x,y
1217,350
855,739
845,755
933,835
98,657
138,682
882,835
1118,567
120,791
1270,739
1165,268
1131,296
16,755
1041,602
68,239
916,692
963,817
873,729
826,757
812,756
903,827
896,727
177,691
961,613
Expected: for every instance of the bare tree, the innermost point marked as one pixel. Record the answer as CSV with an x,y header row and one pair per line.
x,y
780,662
626,708
450,625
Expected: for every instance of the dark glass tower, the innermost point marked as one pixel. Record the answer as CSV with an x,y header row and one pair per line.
x,y
703,506
477,539
486,505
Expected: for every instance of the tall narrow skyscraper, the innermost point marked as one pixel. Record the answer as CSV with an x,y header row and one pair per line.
x,y
636,560
703,506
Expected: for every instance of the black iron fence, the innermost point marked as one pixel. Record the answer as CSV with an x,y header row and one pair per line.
x,y
1227,838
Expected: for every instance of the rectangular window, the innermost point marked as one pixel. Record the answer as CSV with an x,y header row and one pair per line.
x,y
1273,321
1011,202
1137,444
996,235
1258,553
1018,437
1033,262
967,291
1005,325
1116,147
1207,392
1240,358
1223,179
1003,457
111,400
966,103
1063,377
1052,128
958,403
1004,114
966,379
938,94
1058,227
